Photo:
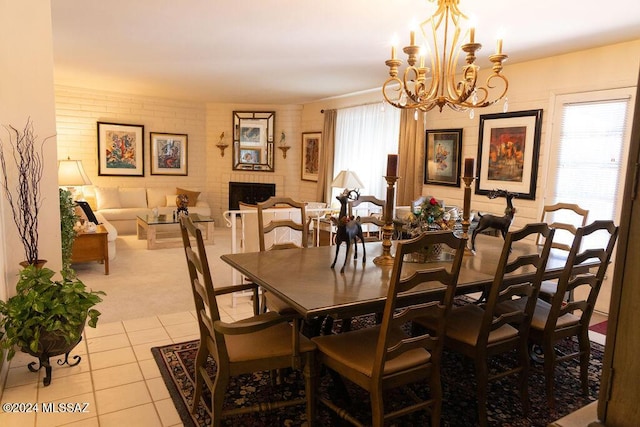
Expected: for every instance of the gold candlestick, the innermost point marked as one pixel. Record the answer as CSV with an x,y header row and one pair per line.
x,y
387,230
466,211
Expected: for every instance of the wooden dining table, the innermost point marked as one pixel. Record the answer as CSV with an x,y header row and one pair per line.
x,y
303,277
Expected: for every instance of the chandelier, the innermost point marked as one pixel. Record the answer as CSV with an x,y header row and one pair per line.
x,y
423,88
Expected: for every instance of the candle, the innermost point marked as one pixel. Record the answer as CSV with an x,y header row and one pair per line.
x,y
468,167
392,165
393,52
412,38
499,47
472,35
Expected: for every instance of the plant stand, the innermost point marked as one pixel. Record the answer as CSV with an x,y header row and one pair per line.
x,y
52,345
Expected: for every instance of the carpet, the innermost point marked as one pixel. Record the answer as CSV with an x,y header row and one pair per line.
x,y
600,328
459,408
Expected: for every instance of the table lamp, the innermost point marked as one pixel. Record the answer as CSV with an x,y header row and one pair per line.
x,y
71,174
348,180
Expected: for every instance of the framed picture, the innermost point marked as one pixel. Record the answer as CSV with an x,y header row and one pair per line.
x,y
120,149
508,149
169,153
250,155
311,144
253,140
442,159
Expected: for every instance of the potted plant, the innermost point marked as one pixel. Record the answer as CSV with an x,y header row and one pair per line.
x,y
68,233
46,317
22,187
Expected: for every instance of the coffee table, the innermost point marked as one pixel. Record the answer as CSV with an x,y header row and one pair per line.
x,y
163,232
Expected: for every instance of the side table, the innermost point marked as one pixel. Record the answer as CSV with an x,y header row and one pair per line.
x,y
92,247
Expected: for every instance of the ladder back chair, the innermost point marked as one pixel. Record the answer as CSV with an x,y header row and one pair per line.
x,y
565,218
373,221
479,333
384,356
287,230
260,343
556,321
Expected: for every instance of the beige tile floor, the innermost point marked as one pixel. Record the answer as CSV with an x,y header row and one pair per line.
x,y
117,383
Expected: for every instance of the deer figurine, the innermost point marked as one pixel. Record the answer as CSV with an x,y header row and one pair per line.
x,y
348,228
500,223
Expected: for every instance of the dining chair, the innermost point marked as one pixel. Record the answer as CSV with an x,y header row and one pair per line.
x,y
557,321
479,333
386,356
260,343
565,218
281,230
373,219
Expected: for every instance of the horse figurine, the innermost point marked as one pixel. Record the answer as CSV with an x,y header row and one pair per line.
x,y
500,223
348,228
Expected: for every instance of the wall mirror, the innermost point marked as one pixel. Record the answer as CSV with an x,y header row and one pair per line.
x,y
253,140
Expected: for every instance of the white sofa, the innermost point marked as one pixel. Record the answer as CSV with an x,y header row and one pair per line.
x,y
121,205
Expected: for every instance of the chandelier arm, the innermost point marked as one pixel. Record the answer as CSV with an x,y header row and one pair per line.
x,y
412,91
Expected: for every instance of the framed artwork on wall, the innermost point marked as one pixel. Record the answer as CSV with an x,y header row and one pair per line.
x,y
442,157
120,149
508,150
253,140
311,146
169,153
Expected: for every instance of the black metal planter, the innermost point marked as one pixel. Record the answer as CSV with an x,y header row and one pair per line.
x,y
53,344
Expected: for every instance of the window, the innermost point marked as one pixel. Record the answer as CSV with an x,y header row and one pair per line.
x,y
364,136
588,150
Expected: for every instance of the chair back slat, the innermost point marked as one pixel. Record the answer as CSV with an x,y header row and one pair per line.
x,y
374,214
201,283
570,280
388,348
573,216
532,263
294,223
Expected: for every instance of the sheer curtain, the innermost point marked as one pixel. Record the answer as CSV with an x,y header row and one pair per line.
x,y
364,136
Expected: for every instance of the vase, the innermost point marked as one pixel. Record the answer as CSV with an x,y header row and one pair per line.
x,y
37,264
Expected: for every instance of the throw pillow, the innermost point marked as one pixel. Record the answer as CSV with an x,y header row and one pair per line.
x,y
108,198
171,200
192,195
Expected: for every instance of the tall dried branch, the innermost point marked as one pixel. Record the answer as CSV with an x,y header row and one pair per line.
x,y
22,187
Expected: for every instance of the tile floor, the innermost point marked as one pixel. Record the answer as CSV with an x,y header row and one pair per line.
x,y
117,376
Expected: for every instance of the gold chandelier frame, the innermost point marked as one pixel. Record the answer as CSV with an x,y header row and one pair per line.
x,y
422,88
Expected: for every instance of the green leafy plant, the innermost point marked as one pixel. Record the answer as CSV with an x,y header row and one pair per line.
x,y
43,305
68,233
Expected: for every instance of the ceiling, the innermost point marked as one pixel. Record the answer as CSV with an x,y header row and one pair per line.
x,y
295,51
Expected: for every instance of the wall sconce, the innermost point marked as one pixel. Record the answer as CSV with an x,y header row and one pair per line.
x,y
283,146
221,144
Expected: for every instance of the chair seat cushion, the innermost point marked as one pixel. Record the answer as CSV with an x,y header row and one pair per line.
x,y
540,315
357,350
548,287
271,342
278,305
464,322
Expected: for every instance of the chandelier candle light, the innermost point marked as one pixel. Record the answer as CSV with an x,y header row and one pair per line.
x,y
387,230
423,88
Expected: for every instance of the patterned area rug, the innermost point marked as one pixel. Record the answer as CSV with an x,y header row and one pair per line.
x,y
459,408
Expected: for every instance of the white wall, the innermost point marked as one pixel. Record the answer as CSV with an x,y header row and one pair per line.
x,y
79,110
26,90
532,85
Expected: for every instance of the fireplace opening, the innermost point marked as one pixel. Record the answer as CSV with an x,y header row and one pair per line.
x,y
249,193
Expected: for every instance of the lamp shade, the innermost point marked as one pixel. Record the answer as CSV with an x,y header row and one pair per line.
x,y
347,179
72,174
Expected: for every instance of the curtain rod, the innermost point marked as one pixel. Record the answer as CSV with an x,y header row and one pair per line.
x,y
355,105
